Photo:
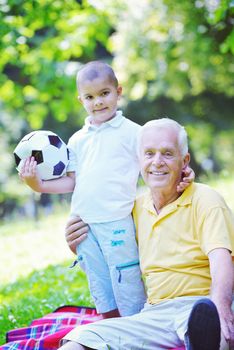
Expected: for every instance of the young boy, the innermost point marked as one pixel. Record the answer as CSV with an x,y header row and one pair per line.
x,y
102,173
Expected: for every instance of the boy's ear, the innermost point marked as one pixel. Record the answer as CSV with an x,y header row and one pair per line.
x,y
119,90
80,99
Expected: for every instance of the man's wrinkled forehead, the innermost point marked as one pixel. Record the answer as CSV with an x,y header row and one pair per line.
x,y
155,136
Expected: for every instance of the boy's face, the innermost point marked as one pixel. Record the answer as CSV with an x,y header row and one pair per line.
x,y
99,97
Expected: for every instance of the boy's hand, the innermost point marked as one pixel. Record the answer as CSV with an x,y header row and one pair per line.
x,y
29,174
188,177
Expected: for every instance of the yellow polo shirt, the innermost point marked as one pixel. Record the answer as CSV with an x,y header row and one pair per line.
x,y
174,245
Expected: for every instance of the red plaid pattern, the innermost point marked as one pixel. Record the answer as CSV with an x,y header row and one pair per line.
x,y
45,333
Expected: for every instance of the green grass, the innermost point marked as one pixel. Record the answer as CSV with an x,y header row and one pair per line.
x,y
35,274
35,277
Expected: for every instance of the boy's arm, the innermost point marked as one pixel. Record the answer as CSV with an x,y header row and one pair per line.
x,y
188,177
29,175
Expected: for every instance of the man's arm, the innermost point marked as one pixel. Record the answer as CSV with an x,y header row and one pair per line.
x,y
222,274
75,232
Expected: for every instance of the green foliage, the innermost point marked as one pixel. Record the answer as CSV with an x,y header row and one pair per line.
x,y
41,42
220,15
162,48
173,58
174,48
208,119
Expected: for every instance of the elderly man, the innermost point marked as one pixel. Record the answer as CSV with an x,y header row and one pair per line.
x,y
186,242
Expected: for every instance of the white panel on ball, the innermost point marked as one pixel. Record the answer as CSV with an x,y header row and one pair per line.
x,y
49,150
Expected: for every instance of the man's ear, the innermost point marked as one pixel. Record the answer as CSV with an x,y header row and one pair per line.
x,y
186,160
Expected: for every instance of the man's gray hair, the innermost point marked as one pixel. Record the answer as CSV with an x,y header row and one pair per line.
x,y
163,123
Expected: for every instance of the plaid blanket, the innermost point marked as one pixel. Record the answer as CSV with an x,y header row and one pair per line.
x,y
45,333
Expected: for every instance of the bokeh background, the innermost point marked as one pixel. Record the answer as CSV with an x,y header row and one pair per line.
x,y
173,58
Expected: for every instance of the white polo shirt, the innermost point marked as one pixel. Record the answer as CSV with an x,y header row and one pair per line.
x,y
107,168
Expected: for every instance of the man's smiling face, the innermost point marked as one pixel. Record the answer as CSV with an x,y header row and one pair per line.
x,y
161,159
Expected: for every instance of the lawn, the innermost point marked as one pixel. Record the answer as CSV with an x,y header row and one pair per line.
x,y
34,272
35,277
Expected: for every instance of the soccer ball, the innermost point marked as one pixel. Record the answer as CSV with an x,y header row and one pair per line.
x,y
50,152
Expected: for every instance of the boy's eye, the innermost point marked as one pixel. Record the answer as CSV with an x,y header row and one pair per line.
x,y
105,93
89,97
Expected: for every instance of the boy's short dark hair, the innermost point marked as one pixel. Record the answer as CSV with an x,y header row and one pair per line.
x,y
93,70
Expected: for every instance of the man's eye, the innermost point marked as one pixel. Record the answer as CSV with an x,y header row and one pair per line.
x,y
168,154
148,154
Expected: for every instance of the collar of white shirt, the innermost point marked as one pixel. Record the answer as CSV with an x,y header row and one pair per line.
x,y
114,122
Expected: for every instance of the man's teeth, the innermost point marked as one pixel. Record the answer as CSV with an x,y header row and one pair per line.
x,y
157,173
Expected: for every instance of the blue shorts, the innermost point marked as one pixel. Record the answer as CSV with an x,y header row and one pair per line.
x,y
109,257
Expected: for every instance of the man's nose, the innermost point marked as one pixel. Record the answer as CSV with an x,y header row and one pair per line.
x,y
158,159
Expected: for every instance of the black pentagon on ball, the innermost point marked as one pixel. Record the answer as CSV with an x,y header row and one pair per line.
x,y
58,168
17,159
55,141
37,154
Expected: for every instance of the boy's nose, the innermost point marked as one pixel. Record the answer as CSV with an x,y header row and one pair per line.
x,y
98,101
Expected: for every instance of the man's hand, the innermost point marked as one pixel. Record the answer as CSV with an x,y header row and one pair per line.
x,y
75,232
188,177
222,290
29,174
227,322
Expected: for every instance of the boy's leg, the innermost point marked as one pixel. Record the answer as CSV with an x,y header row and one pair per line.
x,y
92,262
118,243
111,314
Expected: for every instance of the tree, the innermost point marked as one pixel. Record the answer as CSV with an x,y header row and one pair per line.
x,y
42,44
173,48
172,57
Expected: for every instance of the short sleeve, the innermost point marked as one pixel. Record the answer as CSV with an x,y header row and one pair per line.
x,y
217,230
72,165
